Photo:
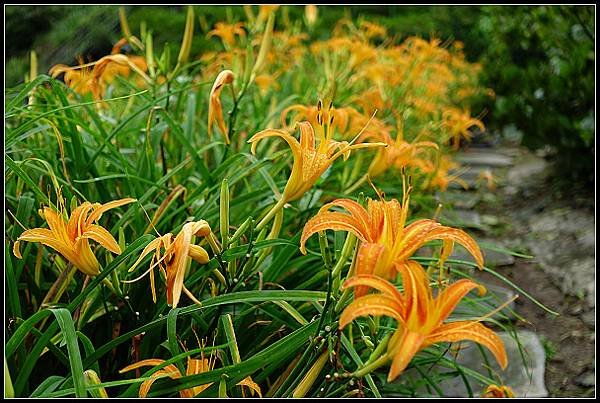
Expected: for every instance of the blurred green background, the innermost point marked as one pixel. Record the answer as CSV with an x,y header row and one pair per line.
x,y
539,60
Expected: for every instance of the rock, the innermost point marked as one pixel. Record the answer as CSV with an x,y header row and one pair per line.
x,y
461,200
523,173
525,379
484,158
589,318
587,379
587,238
491,220
463,218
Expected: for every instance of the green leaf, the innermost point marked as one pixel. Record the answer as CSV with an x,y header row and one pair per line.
x,y
65,321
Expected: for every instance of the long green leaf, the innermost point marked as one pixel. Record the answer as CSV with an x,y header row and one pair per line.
x,y
65,321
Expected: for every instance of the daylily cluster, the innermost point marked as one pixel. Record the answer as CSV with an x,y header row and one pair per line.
x,y
386,245
92,78
402,101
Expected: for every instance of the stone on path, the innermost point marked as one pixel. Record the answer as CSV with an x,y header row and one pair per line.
x,y
527,170
563,242
460,200
484,158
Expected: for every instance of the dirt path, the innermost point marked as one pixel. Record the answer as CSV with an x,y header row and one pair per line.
x,y
527,214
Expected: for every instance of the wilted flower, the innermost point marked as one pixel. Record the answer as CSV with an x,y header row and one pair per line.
x,y
215,110
171,256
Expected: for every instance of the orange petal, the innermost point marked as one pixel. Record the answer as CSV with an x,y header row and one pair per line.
x,y
369,261
57,225
335,221
417,292
250,384
98,211
291,140
356,210
103,237
372,304
307,136
413,237
377,283
403,352
77,220
44,236
460,236
449,298
474,331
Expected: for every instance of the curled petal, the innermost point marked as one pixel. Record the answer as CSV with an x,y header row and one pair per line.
x,y
103,237
449,298
356,210
372,304
98,211
335,221
460,236
250,384
292,142
377,283
17,249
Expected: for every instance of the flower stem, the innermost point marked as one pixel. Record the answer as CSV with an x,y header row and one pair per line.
x,y
270,214
367,369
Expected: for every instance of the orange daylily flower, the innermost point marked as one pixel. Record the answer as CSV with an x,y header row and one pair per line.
x,y
78,78
215,110
387,242
440,174
487,176
310,13
496,391
458,122
420,316
70,237
174,260
194,367
227,32
310,159
84,79
398,153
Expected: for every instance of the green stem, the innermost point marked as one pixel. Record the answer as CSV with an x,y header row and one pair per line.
x,y
327,303
270,214
367,369
356,184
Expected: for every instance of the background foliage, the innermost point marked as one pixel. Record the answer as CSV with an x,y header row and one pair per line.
x,y
539,60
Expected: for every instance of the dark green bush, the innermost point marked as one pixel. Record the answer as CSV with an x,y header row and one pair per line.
x,y
540,62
